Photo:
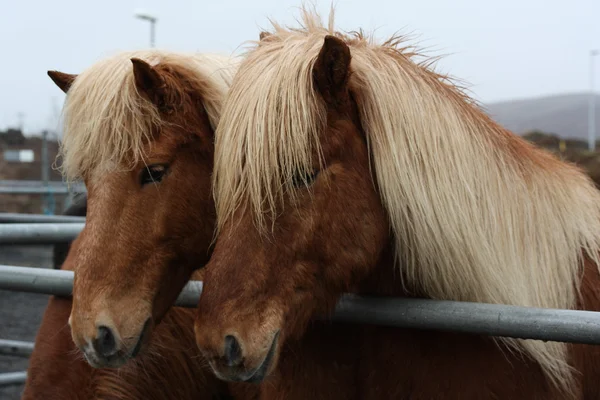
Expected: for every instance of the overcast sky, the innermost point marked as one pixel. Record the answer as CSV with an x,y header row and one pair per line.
x,y
503,49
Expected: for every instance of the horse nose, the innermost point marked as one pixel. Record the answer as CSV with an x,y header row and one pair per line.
x,y
105,343
233,351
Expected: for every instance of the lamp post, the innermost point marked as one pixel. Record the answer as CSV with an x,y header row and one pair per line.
x,y
48,196
592,105
141,14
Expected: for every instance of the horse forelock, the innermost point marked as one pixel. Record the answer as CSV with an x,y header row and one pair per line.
x,y
270,123
108,124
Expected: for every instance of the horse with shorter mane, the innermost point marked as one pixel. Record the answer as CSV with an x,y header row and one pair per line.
x,y
139,131
343,165
168,368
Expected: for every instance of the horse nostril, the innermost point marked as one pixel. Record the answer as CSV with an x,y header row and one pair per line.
x,y
233,351
105,343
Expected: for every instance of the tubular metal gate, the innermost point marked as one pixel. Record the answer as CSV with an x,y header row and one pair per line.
x,y
466,317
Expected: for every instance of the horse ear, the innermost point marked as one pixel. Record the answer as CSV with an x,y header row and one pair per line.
x,y
148,81
62,80
263,35
332,68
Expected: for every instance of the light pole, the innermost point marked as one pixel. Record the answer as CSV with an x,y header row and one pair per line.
x,y
150,18
48,196
592,108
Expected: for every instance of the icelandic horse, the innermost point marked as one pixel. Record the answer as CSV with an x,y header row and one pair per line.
x,y
57,371
139,131
344,165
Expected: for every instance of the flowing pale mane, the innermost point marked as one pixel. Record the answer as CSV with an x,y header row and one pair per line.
x,y
107,122
478,213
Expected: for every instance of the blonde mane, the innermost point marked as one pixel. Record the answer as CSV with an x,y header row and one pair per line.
x,y
107,123
478,214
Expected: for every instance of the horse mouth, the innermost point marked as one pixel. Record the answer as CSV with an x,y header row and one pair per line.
x,y
120,358
261,372
141,339
254,376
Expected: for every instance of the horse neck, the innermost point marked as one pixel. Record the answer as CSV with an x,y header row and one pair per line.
x,y
386,278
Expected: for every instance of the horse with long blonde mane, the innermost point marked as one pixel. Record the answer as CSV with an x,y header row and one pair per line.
x,y
139,130
344,165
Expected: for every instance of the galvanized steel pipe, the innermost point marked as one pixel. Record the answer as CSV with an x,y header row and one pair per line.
x,y
14,218
36,280
475,318
39,187
40,233
16,348
34,183
60,283
546,324
33,190
13,378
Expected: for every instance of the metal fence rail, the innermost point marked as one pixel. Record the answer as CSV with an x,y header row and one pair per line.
x,y
13,378
14,218
476,318
39,233
34,190
39,187
34,183
16,348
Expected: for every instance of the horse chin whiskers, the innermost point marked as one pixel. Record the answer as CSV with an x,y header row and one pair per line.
x,y
241,373
146,330
115,361
125,353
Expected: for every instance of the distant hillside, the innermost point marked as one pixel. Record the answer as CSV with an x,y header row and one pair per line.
x,y
565,115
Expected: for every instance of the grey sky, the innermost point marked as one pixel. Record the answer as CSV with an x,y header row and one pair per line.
x,y
503,49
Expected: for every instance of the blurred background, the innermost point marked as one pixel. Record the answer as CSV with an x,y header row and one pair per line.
x,y
531,63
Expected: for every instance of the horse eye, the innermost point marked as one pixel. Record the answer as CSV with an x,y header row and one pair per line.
x,y
153,174
301,179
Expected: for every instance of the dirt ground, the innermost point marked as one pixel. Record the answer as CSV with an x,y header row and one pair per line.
x,y
20,313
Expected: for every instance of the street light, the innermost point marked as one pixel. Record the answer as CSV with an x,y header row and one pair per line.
x,y
592,108
141,14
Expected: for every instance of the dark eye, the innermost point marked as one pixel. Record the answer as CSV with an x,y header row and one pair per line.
x,y
153,174
304,179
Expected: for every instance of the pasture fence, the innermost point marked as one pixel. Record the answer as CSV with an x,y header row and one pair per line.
x,y
572,326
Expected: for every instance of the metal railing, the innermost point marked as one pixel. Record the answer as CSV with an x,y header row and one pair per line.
x,y
571,326
16,218
13,378
46,188
476,318
39,187
32,229
15,348
39,233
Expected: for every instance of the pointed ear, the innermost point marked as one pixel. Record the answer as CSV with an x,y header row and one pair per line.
x,y
149,82
62,80
263,35
331,69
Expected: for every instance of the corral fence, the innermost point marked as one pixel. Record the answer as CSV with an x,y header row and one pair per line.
x,y
45,188
476,318
38,187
